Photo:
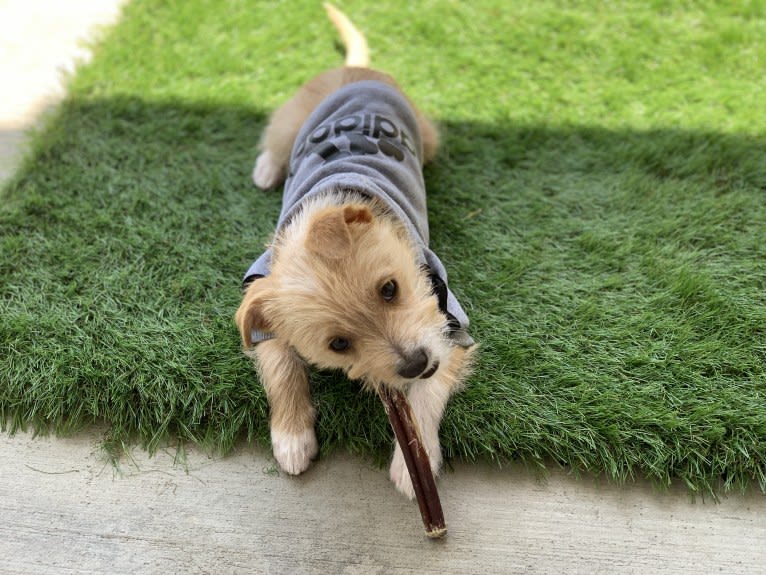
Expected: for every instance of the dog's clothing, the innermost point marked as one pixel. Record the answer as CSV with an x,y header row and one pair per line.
x,y
364,138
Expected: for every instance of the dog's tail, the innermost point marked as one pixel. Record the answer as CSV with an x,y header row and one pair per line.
x,y
357,52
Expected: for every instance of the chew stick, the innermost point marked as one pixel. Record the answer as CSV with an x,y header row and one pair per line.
x,y
406,430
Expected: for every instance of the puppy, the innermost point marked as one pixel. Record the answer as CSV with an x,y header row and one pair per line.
x,y
349,282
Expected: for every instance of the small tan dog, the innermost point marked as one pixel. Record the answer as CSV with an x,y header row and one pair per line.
x,y
349,282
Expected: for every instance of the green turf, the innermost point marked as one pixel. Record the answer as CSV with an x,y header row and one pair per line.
x,y
599,203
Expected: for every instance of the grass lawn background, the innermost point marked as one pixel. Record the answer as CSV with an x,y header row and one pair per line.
x,y
599,202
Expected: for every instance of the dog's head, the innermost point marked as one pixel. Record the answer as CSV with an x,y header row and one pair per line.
x,y
346,292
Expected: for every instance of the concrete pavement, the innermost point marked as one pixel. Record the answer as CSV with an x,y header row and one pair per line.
x,y
65,510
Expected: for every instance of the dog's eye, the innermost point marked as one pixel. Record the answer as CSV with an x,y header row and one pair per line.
x,y
388,291
340,344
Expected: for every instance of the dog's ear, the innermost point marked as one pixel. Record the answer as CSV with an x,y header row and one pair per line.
x,y
329,232
250,314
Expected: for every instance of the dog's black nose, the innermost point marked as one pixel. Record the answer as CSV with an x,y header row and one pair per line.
x,y
414,364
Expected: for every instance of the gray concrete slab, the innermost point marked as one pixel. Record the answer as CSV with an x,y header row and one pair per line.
x,y
63,509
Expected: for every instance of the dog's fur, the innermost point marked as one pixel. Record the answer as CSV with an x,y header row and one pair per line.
x,y
320,288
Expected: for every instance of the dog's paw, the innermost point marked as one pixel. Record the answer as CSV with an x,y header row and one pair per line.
x,y
294,452
267,172
400,475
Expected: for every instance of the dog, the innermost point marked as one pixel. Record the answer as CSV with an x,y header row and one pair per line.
x,y
349,282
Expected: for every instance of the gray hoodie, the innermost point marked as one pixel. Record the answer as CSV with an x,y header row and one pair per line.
x,y
364,138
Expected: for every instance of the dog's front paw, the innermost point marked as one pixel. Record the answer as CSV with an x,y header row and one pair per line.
x,y
400,475
294,452
267,172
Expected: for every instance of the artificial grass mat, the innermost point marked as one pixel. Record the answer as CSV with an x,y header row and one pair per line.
x,y
598,202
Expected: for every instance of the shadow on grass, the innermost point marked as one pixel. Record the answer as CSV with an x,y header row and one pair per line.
x,y
613,279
